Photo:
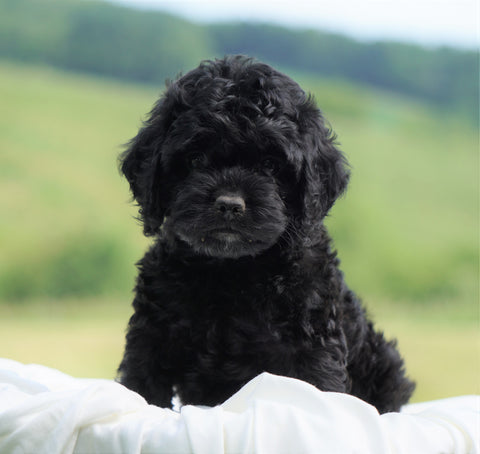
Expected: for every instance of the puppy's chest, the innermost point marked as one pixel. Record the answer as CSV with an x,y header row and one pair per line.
x,y
234,294
234,315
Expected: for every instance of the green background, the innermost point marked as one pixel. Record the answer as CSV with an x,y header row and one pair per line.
x,y
407,231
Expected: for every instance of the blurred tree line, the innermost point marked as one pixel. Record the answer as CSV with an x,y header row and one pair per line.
x,y
150,46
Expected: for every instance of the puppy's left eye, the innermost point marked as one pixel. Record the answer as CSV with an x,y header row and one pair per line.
x,y
196,161
270,166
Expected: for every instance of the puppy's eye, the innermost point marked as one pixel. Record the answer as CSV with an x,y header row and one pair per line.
x,y
197,161
270,166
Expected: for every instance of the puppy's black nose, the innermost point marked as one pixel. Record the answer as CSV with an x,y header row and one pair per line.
x,y
230,204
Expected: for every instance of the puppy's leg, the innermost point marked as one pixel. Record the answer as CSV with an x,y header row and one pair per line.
x,y
155,391
142,370
378,373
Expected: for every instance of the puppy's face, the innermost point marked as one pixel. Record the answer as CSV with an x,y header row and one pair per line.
x,y
233,160
229,199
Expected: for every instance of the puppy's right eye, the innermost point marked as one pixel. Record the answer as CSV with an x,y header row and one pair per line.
x,y
270,166
196,161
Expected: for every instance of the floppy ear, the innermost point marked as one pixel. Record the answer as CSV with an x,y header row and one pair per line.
x,y
141,165
326,172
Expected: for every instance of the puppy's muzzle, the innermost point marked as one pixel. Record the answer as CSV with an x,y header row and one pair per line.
x,y
230,205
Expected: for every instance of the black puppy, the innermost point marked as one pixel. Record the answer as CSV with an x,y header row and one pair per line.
x,y
234,172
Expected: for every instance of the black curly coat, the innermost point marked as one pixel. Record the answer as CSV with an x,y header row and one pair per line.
x,y
234,172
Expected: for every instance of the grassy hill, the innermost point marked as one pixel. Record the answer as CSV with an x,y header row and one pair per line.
x,y
68,229
407,230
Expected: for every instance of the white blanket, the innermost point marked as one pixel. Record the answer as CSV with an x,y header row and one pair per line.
x,y
44,411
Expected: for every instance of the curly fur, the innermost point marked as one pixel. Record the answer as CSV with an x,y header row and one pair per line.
x,y
234,172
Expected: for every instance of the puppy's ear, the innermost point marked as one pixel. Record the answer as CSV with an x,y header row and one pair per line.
x,y
141,165
326,169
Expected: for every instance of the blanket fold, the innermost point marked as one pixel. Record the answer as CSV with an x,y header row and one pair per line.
x,y
44,411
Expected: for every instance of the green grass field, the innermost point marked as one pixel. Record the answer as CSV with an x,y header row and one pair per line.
x,y
407,231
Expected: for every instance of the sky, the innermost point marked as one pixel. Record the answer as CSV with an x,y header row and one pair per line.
x,y
427,22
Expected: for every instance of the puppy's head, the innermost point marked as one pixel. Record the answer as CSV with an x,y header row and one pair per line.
x,y
233,158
